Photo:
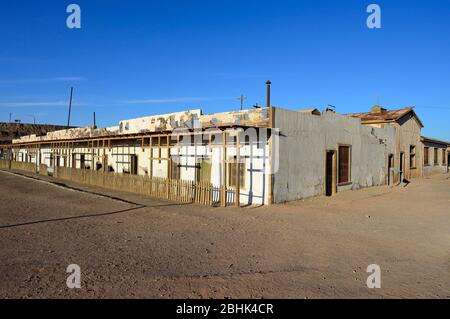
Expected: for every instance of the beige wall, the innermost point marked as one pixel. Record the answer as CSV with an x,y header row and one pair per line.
x,y
408,133
441,166
304,141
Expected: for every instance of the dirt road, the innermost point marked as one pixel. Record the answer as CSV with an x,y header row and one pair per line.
x,y
129,246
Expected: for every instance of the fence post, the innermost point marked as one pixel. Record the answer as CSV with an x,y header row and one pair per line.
x,y
238,186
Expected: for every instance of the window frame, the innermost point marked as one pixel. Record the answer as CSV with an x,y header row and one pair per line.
x,y
349,167
412,157
175,170
426,156
436,155
231,179
198,170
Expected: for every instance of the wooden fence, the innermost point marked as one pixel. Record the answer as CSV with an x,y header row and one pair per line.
x,y
156,187
20,166
182,191
5,164
43,169
23,166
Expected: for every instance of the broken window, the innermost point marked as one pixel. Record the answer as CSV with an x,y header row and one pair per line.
x,y
444,155
412,156
426,156
344,165
436,156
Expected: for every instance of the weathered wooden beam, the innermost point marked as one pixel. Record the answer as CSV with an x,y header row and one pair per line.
x,y
238,185
223,200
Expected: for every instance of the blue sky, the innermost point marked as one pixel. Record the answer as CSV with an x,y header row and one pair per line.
x,y
135,58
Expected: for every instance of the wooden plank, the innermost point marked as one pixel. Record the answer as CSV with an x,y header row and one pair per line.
x,y
270,199
223,201
238,185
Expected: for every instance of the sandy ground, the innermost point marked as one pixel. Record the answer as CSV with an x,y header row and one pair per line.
x,y
129,246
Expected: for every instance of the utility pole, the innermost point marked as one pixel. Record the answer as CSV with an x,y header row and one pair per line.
x,y
70,106
242,98
34,117
95,124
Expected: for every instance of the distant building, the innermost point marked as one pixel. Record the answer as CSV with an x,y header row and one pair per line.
x,y
436,156
408,156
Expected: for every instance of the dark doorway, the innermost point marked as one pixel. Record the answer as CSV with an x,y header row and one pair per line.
x,y
448,162
105,163
82,162
402,168
390,166
330,174
134,164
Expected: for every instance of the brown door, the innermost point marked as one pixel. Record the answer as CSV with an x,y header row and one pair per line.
x,y
329,174
402,167
390,166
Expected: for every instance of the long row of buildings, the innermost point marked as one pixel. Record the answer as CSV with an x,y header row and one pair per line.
x,y
250,157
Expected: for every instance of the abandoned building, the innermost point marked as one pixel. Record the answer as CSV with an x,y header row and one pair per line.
x,y
408,156
266,155
436,157
328,153
259,156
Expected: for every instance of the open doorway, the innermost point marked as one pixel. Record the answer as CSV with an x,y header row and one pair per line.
x,y
82,161
448,162
390,167
402,167
330,173
133,164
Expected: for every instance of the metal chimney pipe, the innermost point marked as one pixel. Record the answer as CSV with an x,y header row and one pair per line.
x,y
268,83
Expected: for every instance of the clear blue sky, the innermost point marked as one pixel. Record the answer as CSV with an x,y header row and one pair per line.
x,y
134,58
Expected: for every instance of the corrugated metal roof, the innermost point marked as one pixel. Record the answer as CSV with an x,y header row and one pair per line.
x,y
433,140
382,115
